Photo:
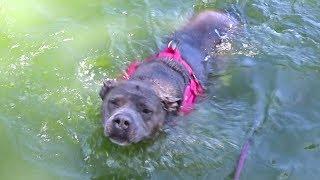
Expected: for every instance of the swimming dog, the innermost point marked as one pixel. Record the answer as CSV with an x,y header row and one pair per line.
x,y
164,85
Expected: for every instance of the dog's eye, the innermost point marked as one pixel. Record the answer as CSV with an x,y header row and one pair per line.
x,y
115,102
146,111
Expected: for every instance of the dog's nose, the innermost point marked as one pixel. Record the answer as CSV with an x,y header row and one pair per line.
x,y
121,123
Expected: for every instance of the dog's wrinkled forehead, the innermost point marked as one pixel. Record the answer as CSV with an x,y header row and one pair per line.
x,y
135,89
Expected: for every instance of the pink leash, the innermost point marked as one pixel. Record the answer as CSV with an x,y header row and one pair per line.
x,y
242,159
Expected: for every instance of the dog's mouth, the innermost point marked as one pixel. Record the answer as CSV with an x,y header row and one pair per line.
x,y
125,127
116,139
118,142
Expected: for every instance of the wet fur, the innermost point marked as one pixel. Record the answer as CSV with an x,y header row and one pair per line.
x,y
162,81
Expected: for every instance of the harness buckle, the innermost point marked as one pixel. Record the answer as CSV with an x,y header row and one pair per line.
x,y
172,45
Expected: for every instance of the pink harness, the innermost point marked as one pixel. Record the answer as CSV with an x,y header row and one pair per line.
x,y
192,90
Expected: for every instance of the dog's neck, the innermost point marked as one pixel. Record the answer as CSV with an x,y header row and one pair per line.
x,y
171,77
167,78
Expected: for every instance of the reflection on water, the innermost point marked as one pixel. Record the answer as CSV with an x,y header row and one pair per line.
x,y
54,55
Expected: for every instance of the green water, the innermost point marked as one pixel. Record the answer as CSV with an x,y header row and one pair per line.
x,y
54,55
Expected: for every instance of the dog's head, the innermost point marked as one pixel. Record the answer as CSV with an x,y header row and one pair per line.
x,y
132,111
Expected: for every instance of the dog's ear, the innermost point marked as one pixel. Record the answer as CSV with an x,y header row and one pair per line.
x,y
167,94
171,104
107,85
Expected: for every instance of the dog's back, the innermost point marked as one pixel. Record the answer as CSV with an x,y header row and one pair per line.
x,y
200,36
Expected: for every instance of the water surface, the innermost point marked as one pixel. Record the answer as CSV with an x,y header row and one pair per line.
x,y
55,54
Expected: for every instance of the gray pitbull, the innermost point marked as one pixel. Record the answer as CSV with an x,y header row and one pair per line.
x,y
164,85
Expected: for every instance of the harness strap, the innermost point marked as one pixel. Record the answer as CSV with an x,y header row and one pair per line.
x,y
193,89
